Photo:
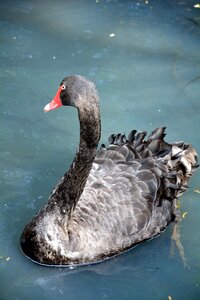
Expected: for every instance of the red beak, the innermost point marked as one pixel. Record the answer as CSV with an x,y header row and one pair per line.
x,y
55,103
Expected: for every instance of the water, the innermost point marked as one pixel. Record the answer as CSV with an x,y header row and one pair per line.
x,y
144,58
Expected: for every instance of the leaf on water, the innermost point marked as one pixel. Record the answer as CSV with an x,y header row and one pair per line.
x,y
197,5
197,191
184,214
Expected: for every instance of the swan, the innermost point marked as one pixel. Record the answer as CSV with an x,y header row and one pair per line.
x,y
110,199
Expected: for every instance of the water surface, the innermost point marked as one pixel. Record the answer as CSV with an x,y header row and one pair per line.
x,y
144,58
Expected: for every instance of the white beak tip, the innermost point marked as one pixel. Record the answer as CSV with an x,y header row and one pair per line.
x,y
47,108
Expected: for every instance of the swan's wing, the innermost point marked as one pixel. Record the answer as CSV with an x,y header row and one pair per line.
x,y
131,191
129,194
174,163
133,181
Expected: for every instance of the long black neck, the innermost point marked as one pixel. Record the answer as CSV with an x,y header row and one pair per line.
x,y
68,191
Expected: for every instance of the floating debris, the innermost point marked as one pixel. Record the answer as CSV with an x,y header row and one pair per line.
x,y
197,5
184,214
111,34
5,258
197,191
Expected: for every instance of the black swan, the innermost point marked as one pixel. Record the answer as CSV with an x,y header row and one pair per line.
x,y
110,199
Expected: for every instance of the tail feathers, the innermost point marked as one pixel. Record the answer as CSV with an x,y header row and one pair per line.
x,y
184,162
177,161
157,134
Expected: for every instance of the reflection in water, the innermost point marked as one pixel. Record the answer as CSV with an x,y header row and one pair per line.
x,y
144,57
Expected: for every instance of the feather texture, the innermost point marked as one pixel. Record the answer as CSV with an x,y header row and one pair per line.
x,y
112,199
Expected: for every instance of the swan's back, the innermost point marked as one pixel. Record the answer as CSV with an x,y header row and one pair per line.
x,y
130,194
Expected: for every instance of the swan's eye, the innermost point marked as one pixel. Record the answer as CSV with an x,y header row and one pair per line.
x,y
63,87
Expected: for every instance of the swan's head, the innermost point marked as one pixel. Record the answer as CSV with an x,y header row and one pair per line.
x,y
75,91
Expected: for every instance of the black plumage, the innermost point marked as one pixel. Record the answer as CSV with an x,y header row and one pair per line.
x,y
112,198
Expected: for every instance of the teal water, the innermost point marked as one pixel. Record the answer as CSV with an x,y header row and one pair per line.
x,y
144,58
